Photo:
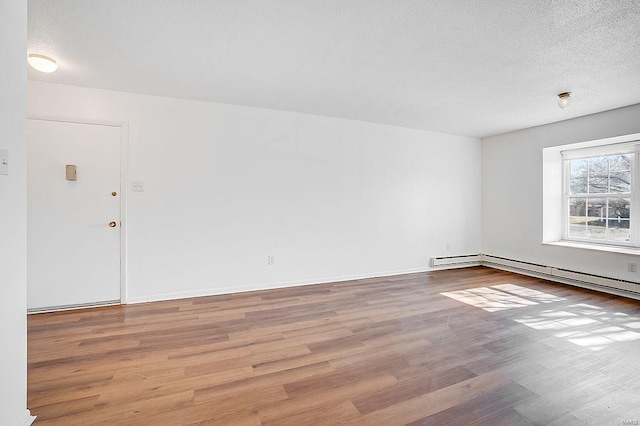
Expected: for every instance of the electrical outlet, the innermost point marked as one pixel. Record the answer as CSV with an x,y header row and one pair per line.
x,y
271,260
632,267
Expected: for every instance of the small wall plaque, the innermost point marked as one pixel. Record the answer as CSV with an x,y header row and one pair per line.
x,y
71,172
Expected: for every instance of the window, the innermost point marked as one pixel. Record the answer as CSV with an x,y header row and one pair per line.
x,y
601,196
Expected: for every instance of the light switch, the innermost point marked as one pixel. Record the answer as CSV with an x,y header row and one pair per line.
x,y
4,161
137,186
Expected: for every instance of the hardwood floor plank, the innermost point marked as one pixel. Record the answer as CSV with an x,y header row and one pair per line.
x,y
490,408
323,398
69,406
411,388
256,383
430,403
341,413
239,404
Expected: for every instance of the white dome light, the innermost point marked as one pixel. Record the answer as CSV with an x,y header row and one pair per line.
x,y
42,63
564,99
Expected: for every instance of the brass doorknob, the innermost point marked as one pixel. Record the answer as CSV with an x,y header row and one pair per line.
x,y
112,224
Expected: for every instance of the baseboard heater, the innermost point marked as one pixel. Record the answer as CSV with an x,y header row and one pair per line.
x,y
597,282
465,260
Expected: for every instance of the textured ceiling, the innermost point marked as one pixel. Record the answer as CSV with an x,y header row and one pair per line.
x,y
466,67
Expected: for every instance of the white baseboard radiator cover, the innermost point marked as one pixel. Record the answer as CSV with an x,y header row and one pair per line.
x,y
455,261
596,282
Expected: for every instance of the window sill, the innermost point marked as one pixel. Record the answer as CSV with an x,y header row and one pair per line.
x,y
599,247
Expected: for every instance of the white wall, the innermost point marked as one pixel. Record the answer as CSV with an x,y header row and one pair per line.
x,y
512,195
13,282
226,186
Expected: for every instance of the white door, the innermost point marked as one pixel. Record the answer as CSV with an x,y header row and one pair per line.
x,y
73,226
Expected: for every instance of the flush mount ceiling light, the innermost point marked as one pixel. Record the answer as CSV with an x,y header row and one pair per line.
x,y
42,63
564,99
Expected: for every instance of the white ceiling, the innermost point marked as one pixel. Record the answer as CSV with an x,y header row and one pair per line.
x,y
466,67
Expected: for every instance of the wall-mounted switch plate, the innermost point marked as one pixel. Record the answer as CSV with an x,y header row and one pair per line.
x,y
4,162
137,186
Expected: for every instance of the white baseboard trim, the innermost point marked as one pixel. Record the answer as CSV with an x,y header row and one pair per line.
x,y
72,307
270,286
29,419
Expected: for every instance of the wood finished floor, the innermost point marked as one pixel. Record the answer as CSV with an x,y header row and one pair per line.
x,y
499,348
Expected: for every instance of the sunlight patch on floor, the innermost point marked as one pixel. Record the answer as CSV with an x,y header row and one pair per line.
x,y
586,325
582,324
501,297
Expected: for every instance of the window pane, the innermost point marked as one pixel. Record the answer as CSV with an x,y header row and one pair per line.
x,y
596,209
620,162
620,182
578,207
596,230
598,183
577,227
596,218
598,165
619,208
578,217
618,230
578,184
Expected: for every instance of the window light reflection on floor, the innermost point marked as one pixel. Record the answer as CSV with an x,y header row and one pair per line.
x,y
586,325
581,324
492,299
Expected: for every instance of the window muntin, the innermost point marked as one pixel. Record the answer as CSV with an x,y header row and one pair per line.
x,y
599,198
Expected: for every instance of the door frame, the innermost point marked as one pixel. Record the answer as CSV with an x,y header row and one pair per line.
x,y
124,163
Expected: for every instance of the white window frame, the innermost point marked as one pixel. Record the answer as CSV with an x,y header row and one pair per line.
x,y
632,148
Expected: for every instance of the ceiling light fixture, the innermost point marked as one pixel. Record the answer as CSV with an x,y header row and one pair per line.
x,y
564,99
42,63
